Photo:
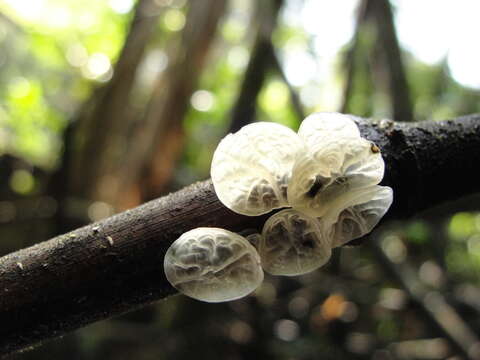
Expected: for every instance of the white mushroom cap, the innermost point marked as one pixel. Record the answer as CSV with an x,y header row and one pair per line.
x,y
318,127
355,215
252,168
339,163
213,265
293,243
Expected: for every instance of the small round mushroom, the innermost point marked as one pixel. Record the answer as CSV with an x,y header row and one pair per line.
x,y
251,168
293,243
355,215
327,170
213,265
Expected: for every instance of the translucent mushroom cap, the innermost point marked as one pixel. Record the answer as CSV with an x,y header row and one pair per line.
x,y
252,167
213,265
293,243
336,161
355,215
318,127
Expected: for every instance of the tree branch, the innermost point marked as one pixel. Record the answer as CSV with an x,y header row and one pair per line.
x,y
116,265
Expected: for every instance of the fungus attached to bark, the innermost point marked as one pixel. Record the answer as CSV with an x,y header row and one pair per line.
x,y
213,265
293,243
327,173
251,168
355,215
337,161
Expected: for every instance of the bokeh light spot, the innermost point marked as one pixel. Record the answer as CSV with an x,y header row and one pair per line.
x,y
286,330
202,100
174,20
22,182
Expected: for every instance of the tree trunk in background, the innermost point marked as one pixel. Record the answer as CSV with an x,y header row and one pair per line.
x,y
356,59
101,135
392,60
149,165
294,97
261,60
375,19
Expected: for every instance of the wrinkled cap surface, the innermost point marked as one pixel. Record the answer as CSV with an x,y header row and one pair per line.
x,y
339,163
316,128
213,265
355,215
251,168
293,243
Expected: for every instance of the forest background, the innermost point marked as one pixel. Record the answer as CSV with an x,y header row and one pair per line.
x,y
105,105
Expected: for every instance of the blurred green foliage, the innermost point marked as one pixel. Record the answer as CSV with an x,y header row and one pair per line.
x,y
50,54
50,61
463,257
417,232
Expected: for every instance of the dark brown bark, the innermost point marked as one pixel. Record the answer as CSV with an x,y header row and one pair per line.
x,y
116,265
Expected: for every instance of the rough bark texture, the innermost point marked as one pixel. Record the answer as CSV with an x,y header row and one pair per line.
x,y
116,265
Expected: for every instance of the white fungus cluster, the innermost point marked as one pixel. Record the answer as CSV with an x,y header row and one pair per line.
x,y
327,176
